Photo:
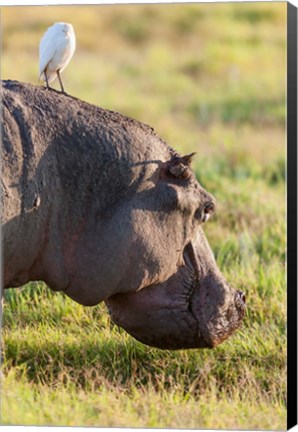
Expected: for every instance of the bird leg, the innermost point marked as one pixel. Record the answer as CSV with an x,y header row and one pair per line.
x,y
61,85
45,74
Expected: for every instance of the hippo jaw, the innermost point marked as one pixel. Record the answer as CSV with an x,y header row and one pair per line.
x,y
192,309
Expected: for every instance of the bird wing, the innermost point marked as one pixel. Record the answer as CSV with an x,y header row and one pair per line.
x,y
47,48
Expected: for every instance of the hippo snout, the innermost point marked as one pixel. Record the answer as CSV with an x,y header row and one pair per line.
x,y
182,312
220,309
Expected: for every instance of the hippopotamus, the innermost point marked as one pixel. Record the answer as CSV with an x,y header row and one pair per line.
x,y
98,206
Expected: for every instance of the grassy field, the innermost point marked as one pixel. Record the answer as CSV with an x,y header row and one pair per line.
x,y
209,78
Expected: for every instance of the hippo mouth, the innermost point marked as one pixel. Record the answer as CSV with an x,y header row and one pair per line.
x,y
194,308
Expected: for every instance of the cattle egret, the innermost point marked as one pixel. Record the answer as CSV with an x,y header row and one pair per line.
x,y
56,48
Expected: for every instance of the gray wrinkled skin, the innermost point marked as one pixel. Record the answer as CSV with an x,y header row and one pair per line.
x,y
96,205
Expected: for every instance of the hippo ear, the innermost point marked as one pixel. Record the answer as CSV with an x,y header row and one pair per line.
x,y
179,166
186,160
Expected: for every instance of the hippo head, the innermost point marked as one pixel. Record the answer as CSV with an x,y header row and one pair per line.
x,y
195,307
147,257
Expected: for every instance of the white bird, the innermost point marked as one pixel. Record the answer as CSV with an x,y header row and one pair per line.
x,y
56,48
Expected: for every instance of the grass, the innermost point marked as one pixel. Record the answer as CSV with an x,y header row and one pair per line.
x,y
209,78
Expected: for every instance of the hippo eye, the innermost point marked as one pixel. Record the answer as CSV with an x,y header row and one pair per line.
x,y
208,209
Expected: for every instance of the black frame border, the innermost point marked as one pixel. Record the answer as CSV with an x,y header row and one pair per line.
x,y
292,214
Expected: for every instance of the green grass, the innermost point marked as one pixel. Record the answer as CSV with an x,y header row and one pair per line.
x,y
209,78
